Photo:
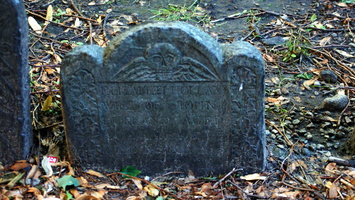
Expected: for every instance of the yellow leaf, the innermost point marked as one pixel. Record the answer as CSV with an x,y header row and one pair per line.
x,y
34,25
47,103
49,16
95,173
152,191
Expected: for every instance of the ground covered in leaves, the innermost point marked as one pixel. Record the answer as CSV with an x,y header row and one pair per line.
x,y
309,49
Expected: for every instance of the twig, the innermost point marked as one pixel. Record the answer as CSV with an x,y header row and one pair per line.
x,y
226,176
145,181
71,3
297,188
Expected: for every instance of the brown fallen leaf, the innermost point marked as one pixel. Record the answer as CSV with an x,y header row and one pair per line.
x,y
20,164
95,173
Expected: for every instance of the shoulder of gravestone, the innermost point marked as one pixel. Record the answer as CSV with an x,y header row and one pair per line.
x,y
94,52
242,48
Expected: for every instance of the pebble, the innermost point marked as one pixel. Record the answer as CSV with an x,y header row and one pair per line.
x,y
310,125
273,41
348,120
302,130
328,76
320,146
335,103
296,121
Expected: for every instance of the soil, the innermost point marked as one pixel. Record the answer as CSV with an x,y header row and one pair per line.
x,y
299,128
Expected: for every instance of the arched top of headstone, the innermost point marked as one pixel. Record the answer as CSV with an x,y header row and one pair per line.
x,y
172,51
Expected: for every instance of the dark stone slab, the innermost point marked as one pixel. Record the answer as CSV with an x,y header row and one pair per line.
x,y
15,123
165,97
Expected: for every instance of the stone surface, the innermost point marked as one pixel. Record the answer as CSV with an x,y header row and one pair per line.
x,y
328,76
335,103
165,97
15,123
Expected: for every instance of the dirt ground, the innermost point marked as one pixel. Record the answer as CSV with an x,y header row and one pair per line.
x,y
298,40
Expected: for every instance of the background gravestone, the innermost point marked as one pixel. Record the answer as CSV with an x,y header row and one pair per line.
x,y
15,124
165,97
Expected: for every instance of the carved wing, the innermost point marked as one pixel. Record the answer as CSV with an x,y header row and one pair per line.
x,y
137,70
192,70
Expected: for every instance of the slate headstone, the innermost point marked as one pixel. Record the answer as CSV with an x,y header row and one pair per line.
x,y
165,97
15,123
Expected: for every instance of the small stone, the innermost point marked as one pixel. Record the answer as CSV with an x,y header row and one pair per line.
x,y
310,125
320,146
347,120
332,132
328,76
273,136
296,121
317,83
302,130
274,131
273,41
316,93
309,113
325,124
309,136
335,103
328,154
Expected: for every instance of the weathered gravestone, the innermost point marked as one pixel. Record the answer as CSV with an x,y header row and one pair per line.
x,y
15,124
165,97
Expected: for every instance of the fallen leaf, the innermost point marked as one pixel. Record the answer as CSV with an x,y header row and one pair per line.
x,y
333,191
138,183
253,177
324,41
344,53
20,164
206,188
34,25
95,173
67,180
152,191
47,103
342,4
310,82
331,167
49,16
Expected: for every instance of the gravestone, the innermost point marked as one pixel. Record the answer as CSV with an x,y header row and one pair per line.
x,y
15,123
165,97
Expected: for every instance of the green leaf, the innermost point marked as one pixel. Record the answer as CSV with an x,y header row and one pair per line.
x,y
305,75
313,17
69,195
129,170
67,180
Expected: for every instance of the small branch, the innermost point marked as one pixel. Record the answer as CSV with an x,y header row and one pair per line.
x,y
226,176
